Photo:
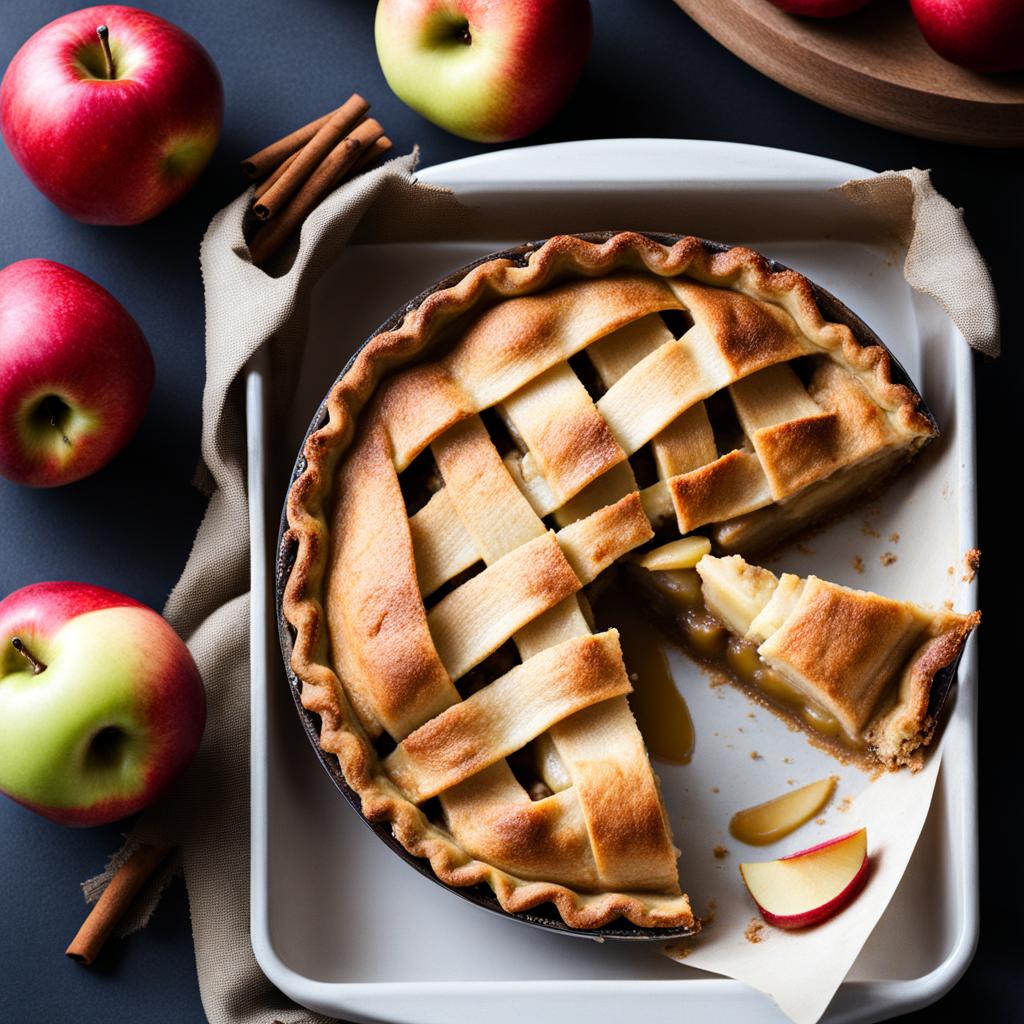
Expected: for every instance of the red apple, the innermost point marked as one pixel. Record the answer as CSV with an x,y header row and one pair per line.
x,y
101,704
811,886
117,144
983,35
75,374
821,8
483,70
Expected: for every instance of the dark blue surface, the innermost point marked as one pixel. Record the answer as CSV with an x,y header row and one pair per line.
x,y
652,73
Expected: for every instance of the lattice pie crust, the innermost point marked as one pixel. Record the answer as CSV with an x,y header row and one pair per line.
x,y
546,470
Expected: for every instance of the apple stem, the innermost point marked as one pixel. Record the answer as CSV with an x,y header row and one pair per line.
x,y
108,58
55,407
19,645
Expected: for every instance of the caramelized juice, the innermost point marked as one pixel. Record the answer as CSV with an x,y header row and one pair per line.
x,y
660,710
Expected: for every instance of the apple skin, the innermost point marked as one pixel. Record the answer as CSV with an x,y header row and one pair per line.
x,y
66,345
828,908
111,663
111,151
821,8
512,76
983,35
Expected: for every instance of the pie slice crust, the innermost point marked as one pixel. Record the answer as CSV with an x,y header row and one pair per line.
x,y
489,455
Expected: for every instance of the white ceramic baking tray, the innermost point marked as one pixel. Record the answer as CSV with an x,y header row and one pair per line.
x,y
341,924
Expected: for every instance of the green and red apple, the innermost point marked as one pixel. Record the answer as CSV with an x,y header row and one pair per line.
x,y
487,71
75,374
112,112
101,704
811,886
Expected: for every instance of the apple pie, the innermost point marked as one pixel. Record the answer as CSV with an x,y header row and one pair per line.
x,y
538,420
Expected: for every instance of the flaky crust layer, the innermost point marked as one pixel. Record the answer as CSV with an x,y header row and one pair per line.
x,y
310,498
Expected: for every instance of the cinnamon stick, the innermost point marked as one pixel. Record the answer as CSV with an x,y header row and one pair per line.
x,y
311,156
379,148
371,153
339,162
263,186
263,162
116,899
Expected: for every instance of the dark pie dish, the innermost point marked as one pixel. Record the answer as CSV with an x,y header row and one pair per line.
x,y
749,337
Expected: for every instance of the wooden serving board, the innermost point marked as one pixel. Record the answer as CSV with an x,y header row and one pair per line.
x,y
874,65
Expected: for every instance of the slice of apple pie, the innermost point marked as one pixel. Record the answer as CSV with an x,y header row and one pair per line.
x,y
862,672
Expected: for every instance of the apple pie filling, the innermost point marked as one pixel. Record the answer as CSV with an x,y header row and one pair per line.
x,y
677,601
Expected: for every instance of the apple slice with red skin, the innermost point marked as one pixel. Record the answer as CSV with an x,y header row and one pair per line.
x,y
812,885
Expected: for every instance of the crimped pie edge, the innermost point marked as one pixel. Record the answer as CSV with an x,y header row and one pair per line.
x,y
310,493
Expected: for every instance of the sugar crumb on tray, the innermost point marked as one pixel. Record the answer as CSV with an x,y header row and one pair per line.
x,y
858,564
720,852
869,530
887,557
972,560
755,931
709,915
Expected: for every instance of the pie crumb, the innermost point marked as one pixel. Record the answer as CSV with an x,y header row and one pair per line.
x,y
971,562
894,537
948,605
790,782
755,756
819,821
858,564
720,852
755,931
950,570
887,557
787,760
844,805
868,530
804,549
709,914
715,789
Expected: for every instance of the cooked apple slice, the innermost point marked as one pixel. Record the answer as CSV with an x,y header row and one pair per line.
x,y
684,553
776,818
808,887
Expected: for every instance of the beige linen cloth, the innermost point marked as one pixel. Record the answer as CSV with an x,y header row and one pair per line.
x,y
207,813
